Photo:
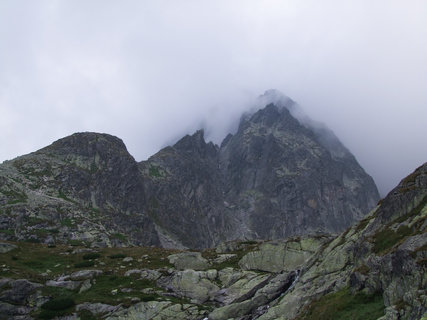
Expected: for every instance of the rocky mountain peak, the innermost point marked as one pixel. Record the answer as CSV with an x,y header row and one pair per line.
x,y
87,144
196,143
276,97
272,116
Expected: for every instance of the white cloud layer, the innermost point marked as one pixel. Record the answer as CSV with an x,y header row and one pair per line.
x,y
151,71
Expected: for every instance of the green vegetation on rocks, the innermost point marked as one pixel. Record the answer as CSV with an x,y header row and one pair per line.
x,y
344,305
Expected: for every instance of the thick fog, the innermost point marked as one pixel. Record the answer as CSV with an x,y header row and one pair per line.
x,y
152,71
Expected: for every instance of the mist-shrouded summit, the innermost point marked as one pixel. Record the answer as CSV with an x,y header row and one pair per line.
x,y
279,175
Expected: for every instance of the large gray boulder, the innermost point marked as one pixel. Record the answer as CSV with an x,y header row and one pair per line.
x,y
189,260
278,256
20,291
195,285
158,310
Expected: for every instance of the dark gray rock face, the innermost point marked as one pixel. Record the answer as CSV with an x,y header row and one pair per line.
x,y
184,192
85,187
282,180
276,177
104,176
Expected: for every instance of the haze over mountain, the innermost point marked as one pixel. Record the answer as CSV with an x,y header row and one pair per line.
x,y
152,71
277,176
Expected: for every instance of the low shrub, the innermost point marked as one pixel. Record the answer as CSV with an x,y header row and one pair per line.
x,y
90,256
84,264
117,256
58,304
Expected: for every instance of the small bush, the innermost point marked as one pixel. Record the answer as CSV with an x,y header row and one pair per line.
x,y
149,297
58,304
117,256
33,240
84,264
120,236
90,256
75,243
249,242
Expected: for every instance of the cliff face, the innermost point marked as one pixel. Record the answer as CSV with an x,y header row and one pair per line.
x,y
282,180
184,193
280,175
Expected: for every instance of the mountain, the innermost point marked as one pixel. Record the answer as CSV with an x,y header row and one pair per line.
x,y
280,175
375,269
85,187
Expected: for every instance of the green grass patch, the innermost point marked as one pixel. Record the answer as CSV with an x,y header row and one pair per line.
x,y
63,196
344,305
387,238
66,222
363,223
8,232
32,221
15,196
120,237
76,243
41,233
105,284
154,171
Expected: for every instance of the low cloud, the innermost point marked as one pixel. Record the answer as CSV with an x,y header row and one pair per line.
x,y
151,71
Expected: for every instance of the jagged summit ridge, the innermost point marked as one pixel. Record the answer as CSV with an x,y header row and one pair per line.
x,y
274,178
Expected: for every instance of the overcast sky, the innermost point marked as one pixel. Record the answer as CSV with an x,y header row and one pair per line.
x,y
152,71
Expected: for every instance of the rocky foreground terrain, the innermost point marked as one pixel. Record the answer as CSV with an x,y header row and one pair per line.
x,y
376,269
280,175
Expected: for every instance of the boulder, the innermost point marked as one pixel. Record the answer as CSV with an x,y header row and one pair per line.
x,y
20,291
97,308
281,256
70,285
189,260
85,274
158,310
190,284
